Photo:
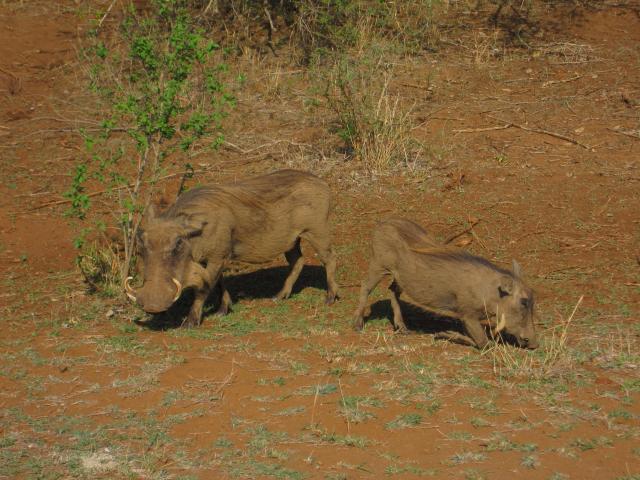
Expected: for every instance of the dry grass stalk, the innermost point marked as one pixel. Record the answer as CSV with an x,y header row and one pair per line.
x,y
547,361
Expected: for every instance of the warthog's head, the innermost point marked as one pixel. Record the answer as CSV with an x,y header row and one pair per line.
x,y
514,309
165,249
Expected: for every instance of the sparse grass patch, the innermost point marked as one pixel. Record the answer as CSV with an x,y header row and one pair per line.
x,y
326,389
344,440
400,469
592,443
350,407
530,461
466,457
406,420
500,443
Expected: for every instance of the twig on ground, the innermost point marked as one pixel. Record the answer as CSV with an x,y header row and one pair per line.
x,y
554,82
236,147
469,229
106,14
541,131
413,85
627,134
486,129
273,28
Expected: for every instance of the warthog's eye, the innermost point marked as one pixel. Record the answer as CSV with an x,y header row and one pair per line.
x,y
526,303
178,246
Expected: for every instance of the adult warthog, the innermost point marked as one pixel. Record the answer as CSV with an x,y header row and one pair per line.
x,y
448,282
253,221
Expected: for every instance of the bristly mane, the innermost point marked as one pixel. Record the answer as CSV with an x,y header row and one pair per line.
x,y
446,254
256,193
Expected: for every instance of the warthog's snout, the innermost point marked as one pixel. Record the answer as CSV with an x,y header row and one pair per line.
x,y
530,343
156,299
526,341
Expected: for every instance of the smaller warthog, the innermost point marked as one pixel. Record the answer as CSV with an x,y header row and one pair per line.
x,y
253,221
448,282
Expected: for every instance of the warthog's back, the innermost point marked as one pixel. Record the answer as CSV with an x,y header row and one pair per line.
x,y
264,193
399,230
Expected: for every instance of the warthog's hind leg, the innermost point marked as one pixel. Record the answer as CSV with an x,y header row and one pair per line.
x,y
322,245
373,278
296,262
398,321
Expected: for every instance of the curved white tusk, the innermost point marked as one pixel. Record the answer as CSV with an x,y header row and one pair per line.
x,y
501,324
128,290
178,291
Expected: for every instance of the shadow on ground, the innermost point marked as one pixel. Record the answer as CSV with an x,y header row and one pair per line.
x,y
419,321
416,319
257,284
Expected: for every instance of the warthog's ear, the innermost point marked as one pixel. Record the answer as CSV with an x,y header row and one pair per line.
x,y
506,285
193,227
149,216
517,269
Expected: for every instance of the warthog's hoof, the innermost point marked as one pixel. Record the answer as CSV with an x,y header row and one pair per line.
x,y
331,299
358,325
281,296
402,331
190,323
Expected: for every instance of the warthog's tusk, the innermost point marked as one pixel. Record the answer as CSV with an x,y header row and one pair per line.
x,y
179,289
128,290
501,324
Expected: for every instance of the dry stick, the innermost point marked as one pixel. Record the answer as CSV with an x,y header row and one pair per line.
x,y
544,132
552,134
215,8
627,134
466,230
527,129
563,337
273,28
486,129
345,407
7,72
106,14
553,82
413,85
295,144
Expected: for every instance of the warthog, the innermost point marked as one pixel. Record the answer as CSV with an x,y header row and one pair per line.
x,y
253,221
448,282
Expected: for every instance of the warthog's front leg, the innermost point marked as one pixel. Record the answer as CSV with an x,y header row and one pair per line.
x,y
455,337
202,280
375,275
225,297
477,337
398,321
